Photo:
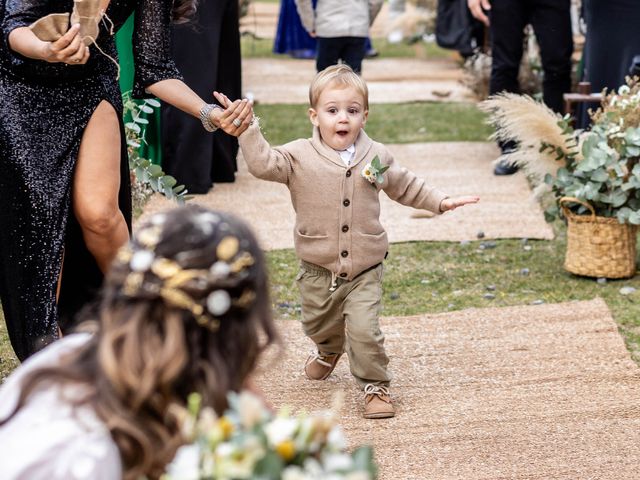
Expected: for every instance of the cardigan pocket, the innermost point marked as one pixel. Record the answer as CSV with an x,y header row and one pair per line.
x,y
316,249
372,245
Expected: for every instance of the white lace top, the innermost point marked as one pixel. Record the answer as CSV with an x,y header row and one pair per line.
x,y
49,439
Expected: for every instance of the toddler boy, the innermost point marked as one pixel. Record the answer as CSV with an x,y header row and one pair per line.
x,y
334,179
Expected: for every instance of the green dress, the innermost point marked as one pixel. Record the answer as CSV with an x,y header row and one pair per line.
x,y
150,150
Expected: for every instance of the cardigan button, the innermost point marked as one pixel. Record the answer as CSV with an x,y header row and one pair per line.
x,y
343,274
346,203
345,228
344,253
348,171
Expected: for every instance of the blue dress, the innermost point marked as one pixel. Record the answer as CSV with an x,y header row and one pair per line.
x,y
291,37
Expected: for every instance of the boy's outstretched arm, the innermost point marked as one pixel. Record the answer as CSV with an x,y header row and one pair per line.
x,y
407,188
264,162
452,203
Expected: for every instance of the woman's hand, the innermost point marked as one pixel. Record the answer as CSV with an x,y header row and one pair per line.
x,y
67,49
236,116
455,202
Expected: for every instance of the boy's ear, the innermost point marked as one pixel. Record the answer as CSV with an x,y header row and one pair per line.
x,y
364,117
313,117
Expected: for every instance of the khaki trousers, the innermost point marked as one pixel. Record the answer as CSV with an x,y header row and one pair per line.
x,y
346,319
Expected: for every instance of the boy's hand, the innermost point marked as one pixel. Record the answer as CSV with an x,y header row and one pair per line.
x,y
236,116
455,202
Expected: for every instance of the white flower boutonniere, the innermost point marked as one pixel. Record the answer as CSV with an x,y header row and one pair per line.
x,y
373,171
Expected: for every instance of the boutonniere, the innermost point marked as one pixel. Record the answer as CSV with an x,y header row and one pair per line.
x,y
373,171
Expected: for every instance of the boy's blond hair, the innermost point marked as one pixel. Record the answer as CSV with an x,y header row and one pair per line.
x,y
340,74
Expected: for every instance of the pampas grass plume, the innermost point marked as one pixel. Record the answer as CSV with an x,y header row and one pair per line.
x,y
529,123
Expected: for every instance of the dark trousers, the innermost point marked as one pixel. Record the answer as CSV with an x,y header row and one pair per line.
x,y
551,22
207,53
350,50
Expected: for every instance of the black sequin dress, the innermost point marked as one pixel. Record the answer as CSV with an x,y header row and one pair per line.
x,y
44,109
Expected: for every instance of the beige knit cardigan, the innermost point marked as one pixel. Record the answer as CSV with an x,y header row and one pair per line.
x,y
337,210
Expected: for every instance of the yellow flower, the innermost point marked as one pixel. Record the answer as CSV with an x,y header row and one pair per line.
x,y
367,172
286,450
226,426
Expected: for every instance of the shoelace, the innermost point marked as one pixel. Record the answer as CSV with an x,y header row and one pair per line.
x,y
373,389
319,358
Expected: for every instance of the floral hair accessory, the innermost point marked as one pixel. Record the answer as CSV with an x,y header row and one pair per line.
x,y
227,248
141,260
373,171
152,277
150,236
218,302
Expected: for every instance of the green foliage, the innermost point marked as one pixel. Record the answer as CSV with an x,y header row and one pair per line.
x,y
387,123
607,174
149,178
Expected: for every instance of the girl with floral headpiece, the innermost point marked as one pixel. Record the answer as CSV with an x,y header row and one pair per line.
x,y
184,309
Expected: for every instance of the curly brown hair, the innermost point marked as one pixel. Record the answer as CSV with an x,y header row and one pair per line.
x,y
148,354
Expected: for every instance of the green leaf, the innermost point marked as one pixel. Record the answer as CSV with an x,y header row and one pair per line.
x,y
140,120
153,102
379,179
618,198
384,169
599,175
168,181
145,109
548,179
132,126
375,163
363,460
634,218
270,466
563,175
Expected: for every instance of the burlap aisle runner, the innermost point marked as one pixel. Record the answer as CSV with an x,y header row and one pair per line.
x,y
506,209
546,392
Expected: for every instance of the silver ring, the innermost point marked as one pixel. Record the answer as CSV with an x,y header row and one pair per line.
x,y
237,122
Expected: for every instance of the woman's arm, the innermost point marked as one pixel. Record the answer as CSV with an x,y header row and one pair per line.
x,y
67,49
178,94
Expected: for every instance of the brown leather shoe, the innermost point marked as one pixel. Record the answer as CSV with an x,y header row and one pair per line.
x,y
320,365
377,402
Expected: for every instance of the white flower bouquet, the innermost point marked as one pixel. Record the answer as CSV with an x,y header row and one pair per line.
x,y
251,442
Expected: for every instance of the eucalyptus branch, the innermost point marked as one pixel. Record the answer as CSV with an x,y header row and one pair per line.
x,y
150,176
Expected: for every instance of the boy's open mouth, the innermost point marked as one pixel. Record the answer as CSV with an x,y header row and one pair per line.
x,y
343,133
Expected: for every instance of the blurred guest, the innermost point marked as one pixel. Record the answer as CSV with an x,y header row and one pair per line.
x,y
551,21
341,28
207,53
292,39
613,39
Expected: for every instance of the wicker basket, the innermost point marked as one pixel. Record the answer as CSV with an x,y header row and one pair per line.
x,y
598,246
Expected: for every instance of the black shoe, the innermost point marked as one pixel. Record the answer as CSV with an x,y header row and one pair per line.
x,y
504,168
372,53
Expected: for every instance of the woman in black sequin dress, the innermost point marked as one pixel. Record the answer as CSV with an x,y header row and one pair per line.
x,y
64,178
